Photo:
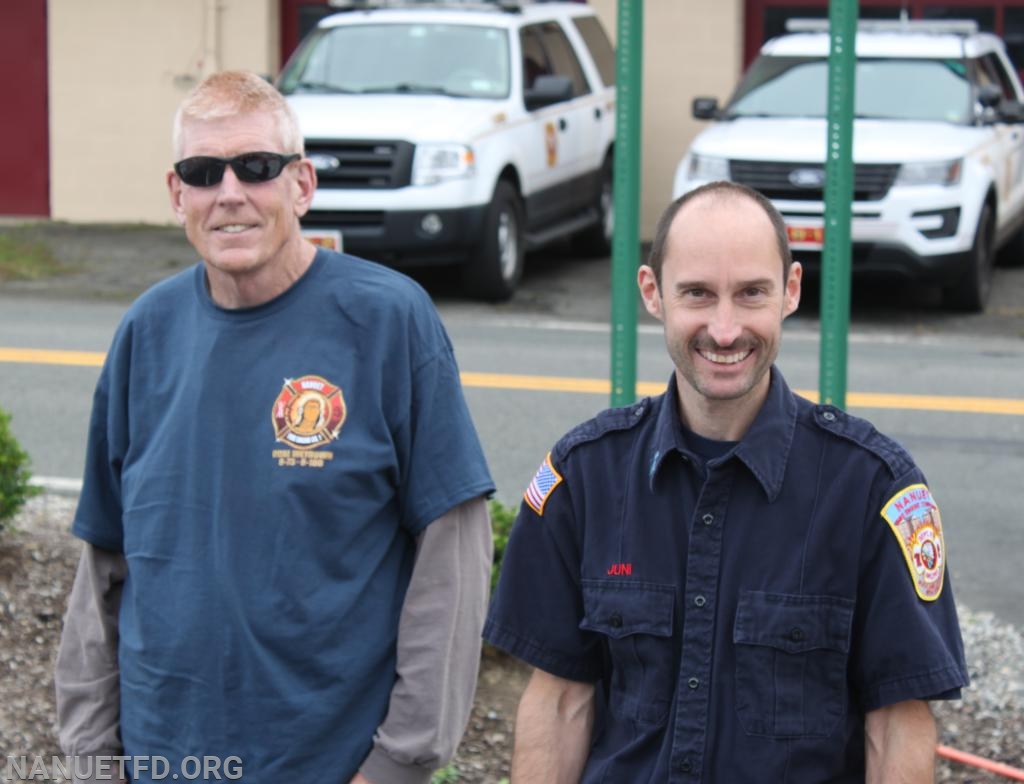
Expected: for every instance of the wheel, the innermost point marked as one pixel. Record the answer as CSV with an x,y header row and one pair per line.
x,y
495,268
970,293
596,240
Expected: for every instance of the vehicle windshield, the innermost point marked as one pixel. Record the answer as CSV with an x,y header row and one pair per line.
x,y
462,61
910,89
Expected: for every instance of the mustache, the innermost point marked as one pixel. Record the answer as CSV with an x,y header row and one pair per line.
x,y
736,347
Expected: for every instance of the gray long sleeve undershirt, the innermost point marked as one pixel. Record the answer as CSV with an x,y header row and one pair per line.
x,y
438,652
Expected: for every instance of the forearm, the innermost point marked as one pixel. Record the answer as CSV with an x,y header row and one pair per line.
x,y
87,676
900,743
553,726
438,648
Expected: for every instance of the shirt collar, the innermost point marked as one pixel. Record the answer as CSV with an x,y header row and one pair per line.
x,y
765,447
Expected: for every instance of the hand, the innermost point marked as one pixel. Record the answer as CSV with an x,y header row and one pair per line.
x,y
359,778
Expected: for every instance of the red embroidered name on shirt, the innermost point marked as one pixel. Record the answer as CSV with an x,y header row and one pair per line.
x,y
620,569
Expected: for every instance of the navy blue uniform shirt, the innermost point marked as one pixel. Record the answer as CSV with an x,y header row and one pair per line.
x,y
738,616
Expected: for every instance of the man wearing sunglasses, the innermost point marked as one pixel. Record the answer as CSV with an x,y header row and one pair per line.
x,y
287,548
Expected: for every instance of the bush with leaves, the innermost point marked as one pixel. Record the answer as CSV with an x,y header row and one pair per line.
x,y
15,489
502,518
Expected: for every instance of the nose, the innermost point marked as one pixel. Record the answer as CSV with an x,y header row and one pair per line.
x,y
230,190
723,328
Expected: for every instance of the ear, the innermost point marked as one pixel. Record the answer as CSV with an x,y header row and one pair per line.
x,y
650,292
305,186
175,188
792,295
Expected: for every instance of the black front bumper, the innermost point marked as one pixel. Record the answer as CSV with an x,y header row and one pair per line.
x,y
399,238
870,260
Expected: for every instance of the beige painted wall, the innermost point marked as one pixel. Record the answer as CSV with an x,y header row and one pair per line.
x,y
691,47
118,69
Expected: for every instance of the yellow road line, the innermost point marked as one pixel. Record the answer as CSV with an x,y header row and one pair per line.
x,y
38,356
966,405
596,386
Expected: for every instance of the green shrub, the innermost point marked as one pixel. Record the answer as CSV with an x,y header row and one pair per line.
x,y
502,518
14,472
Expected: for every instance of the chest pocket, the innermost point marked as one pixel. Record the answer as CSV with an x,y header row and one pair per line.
x,y
636,619
791,661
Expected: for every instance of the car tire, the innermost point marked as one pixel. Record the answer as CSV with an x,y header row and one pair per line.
x,y
596,241
494,270
971,292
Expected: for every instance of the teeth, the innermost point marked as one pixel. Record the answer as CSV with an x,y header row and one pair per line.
x,y
234,228
725,359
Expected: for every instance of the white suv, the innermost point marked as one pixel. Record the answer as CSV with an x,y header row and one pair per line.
x,y
938,149
458,133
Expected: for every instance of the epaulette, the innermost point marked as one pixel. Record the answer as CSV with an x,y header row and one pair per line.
x,y
608,421
862,433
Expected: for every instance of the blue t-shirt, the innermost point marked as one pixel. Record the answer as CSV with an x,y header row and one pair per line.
x,y
265,472
739,615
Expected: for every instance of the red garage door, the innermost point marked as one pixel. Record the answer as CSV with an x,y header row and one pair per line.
x,y
24,135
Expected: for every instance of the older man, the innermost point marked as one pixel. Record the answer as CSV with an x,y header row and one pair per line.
x,y
287,547
727,583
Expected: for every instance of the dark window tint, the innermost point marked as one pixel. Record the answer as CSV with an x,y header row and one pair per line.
x,y
535,59
563,58
600,47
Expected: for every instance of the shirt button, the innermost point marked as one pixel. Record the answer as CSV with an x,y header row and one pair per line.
x,y
693,683
685,766
700,601
797,634
828,416
616,621
708,519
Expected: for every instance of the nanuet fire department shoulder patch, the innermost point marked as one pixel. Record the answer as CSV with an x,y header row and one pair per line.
x,y
544,482
913,516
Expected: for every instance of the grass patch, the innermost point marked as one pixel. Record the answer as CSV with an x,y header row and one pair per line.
x,y
26,260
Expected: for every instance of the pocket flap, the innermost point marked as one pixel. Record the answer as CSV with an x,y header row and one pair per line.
x,y
618,609
792,623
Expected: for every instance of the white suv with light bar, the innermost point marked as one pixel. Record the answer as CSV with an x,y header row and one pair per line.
x,y
938,149
458,133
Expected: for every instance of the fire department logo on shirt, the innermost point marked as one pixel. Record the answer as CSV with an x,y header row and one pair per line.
x,y
308,415
914,518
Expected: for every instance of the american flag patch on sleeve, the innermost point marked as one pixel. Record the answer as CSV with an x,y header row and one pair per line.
x,y
544,482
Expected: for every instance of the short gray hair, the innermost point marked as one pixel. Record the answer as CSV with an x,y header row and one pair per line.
x,y
228,93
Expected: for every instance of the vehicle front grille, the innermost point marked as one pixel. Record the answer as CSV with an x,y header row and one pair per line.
x,y
360,163
776,180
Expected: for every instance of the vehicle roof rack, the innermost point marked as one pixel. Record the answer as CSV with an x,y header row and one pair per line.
x,y
489,5
937,26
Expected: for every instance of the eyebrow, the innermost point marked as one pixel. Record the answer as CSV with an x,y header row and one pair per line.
x,y
764,283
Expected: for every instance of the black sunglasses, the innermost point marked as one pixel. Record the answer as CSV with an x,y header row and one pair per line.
x,y
205,170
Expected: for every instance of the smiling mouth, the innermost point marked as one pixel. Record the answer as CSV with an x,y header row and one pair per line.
x,y
725,359
234,228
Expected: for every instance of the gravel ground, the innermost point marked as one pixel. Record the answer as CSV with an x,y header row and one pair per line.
x,y
37,561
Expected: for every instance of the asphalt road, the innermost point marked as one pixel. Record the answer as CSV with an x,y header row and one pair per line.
x,y
554,334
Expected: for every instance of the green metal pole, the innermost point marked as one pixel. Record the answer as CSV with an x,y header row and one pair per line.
x,y
626,242
835,262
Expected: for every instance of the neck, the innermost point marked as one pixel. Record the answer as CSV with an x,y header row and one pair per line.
x,y
255,287
720,420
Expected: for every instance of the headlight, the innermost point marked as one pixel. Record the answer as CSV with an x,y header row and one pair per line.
x,y
434,163
930,173
706,167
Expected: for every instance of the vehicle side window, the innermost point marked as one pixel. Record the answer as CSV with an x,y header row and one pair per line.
x,y
535,60
600,47
563,58
1000,78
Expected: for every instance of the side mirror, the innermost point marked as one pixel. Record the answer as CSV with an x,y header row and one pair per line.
x,y
704,108
989,96
548,90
